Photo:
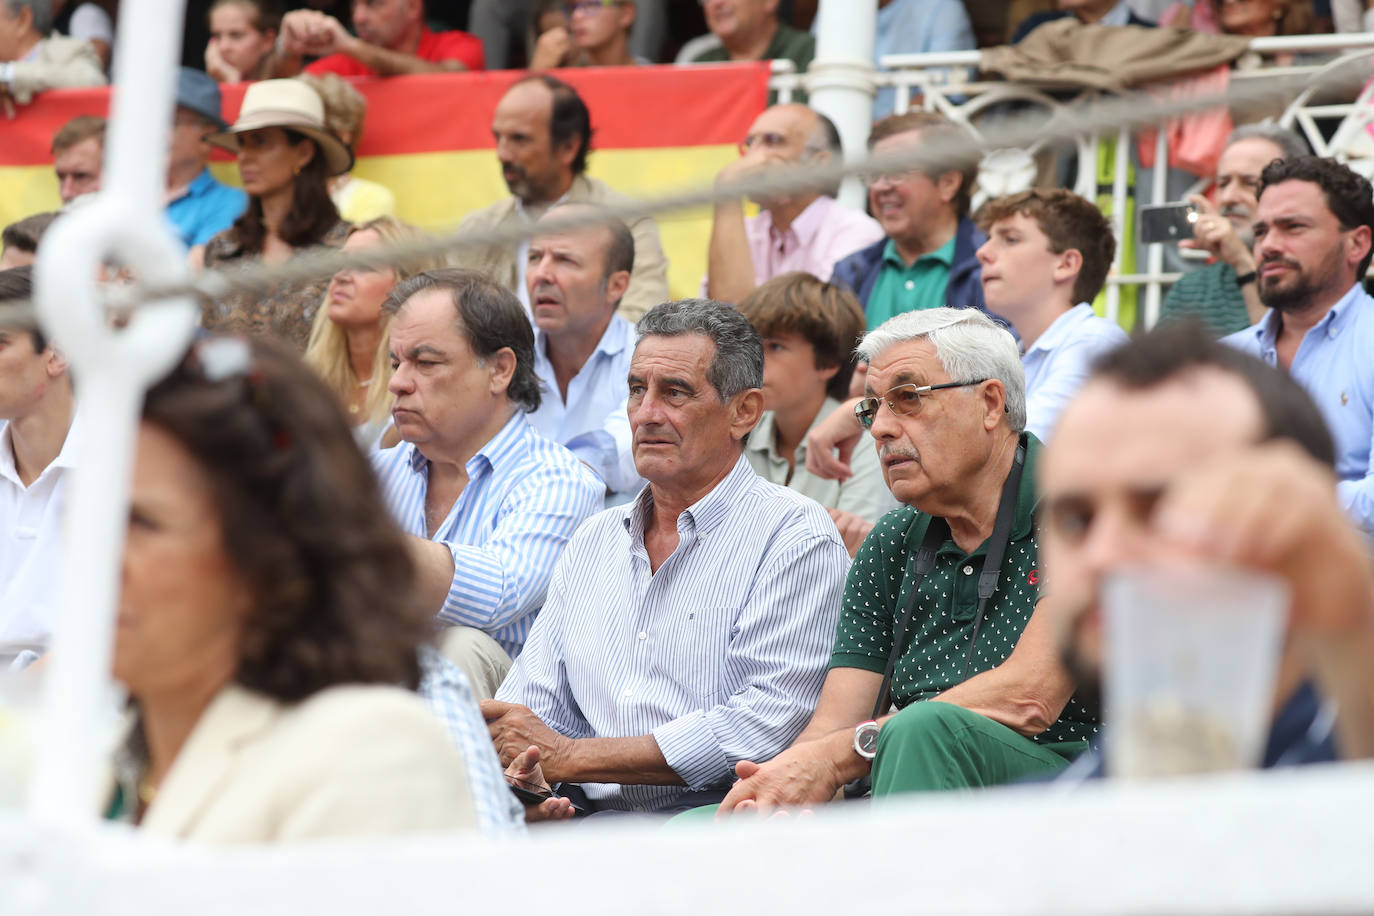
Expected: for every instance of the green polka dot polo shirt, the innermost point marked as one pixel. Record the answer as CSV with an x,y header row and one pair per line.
x,y
937,642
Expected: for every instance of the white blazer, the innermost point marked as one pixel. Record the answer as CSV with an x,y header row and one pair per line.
x,y
348,761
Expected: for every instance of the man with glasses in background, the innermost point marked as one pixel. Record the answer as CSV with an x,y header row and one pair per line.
x,y
807,231
939,614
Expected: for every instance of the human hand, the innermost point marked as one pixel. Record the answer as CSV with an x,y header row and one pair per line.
x,y
513,728
830,444
801,775
1217,235
745,165
526,769
218,67
314,33
1274,509
853,528
553,49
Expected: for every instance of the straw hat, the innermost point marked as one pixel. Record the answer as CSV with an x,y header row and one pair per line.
x,y
291,104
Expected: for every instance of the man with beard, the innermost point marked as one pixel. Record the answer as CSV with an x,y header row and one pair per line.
x,y
1313,228
1180,451
1224,294
543,133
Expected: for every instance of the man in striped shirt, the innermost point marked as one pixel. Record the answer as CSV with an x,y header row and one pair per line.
x,y
690,629
490,502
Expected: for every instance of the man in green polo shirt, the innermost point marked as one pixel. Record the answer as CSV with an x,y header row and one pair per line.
x,y
929,257
981,695
750,30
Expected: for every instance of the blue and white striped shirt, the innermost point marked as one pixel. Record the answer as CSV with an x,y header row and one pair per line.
x,y
524,498
446,692
720,654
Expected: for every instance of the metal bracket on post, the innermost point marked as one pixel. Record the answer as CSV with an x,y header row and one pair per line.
x,y
113,368
840,82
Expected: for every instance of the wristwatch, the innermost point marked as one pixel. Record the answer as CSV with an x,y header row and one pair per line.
x,y
866,739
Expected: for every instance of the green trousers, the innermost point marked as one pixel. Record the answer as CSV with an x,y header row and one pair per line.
x,y
932,747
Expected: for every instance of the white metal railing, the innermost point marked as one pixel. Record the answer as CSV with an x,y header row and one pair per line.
x,y
947,82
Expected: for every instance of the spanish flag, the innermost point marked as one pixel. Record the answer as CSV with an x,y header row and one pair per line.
x,y
655,130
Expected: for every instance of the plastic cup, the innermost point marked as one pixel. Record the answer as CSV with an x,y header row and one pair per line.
x,y
1189,669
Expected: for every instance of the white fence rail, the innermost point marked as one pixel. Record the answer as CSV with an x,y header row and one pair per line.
x,y
948,83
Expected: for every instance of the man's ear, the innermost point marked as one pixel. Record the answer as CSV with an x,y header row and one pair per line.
x,y
616,285
501,366
948,184
1068,264
566,152
994,399
745,410
1360,240
56,364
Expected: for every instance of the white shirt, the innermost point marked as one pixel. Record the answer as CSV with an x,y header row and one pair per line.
x,y
719,654
597,391
31,545
1059,362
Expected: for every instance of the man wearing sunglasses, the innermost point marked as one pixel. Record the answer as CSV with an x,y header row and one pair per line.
x,y
807,231
937,612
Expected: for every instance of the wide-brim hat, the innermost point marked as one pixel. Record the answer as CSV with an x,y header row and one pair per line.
x,y
293,105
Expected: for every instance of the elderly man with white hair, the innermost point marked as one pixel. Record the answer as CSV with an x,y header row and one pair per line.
x,y
939,614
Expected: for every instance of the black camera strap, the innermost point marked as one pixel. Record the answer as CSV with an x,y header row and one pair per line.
x,y
936,533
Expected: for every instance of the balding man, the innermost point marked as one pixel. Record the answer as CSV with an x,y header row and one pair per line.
x,y
543,133
582,345
808,231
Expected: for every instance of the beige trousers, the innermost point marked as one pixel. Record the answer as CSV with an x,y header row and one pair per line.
x,y
482,659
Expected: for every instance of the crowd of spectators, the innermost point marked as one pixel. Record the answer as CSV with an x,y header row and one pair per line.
x,y
414,534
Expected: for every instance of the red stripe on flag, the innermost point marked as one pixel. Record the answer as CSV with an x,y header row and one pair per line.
x,y
631,108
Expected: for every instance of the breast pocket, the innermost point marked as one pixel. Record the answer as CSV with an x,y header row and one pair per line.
x,y
692,651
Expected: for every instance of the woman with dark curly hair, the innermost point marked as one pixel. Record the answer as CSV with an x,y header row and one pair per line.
x,y
267,625
286,156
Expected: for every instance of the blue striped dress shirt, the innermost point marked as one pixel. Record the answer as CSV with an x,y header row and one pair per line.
x,y
719,655
524,498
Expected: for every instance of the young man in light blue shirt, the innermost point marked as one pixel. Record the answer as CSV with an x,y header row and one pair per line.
x,y
1046,258
1313,228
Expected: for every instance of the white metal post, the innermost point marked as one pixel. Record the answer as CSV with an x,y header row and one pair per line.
x,y
125,224
840,80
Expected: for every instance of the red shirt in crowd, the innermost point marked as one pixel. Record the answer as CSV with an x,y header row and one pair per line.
x,y
434,47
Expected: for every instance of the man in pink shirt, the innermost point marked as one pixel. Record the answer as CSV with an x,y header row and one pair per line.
x,y
392,39
807,232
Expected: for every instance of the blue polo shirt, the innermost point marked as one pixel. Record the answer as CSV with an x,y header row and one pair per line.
x,y
1333,365
206,209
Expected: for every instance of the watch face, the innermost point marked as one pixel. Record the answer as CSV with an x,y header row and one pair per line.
x,y
866,739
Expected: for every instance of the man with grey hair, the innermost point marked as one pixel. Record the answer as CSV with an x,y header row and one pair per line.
x,y
32,61
1224,294
689,630
939,615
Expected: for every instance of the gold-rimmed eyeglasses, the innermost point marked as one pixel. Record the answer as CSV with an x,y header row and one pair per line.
x,y
904,400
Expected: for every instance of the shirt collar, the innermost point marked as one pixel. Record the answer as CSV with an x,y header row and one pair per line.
x,y
613,340
807,223
1061,328
944,254
1267,331
505,446
67,458
706,513
1117,15
761,438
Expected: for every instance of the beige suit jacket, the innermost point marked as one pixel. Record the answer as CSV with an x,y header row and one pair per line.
x,y
648,280
348,761
59,63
